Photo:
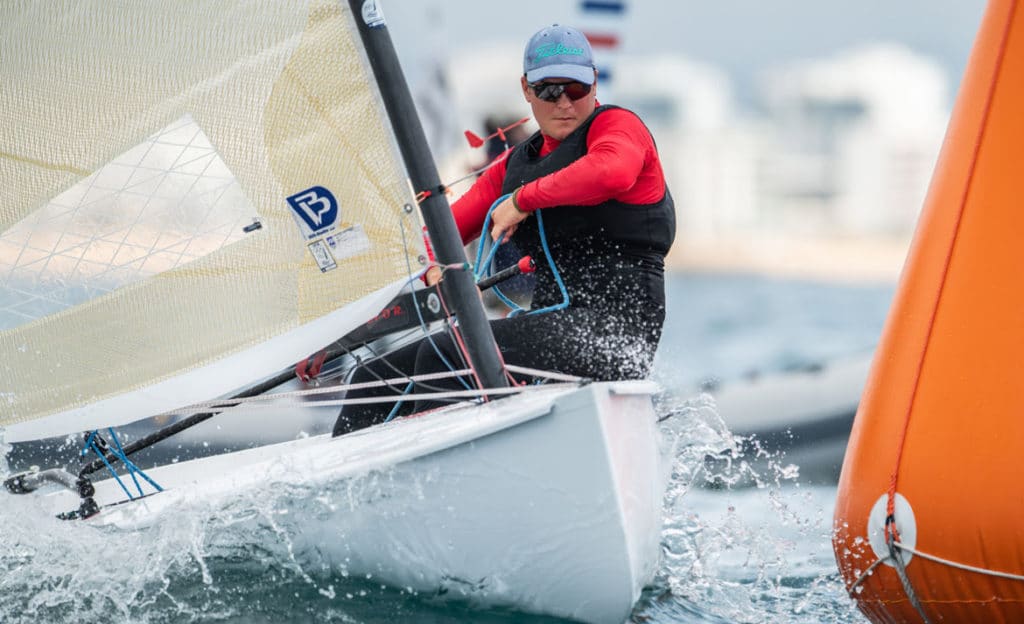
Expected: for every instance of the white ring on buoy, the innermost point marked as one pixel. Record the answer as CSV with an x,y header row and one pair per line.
x,y
905,524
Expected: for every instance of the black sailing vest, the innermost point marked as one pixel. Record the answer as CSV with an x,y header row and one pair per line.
x,y
610,256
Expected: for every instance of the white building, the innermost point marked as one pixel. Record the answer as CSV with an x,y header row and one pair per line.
x,y
709,154
842,149
855,140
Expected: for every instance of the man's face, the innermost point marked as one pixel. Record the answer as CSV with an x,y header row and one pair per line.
x,y
559,118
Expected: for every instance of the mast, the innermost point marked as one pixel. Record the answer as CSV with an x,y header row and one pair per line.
x,y
457,286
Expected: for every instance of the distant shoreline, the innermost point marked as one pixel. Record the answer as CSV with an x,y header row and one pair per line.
x,y
840,259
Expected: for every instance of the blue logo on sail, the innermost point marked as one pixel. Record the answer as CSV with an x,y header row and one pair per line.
x,y
316,207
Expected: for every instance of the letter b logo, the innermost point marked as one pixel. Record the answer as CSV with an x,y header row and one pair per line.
x,y
316,207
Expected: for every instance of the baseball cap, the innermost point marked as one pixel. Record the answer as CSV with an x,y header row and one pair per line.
x,y
558,52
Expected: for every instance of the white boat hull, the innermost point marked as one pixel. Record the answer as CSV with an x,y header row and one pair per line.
x,y
548,502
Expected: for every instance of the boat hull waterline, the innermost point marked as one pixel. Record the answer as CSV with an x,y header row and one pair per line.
x,y
549,502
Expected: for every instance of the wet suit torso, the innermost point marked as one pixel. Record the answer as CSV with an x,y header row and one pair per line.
x,y
610,256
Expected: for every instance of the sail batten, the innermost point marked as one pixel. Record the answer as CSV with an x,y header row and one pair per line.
x,y
275,199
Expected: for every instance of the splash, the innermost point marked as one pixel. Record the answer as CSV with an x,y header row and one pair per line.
x,y
198,564
736,553
5,469
729,553
261,556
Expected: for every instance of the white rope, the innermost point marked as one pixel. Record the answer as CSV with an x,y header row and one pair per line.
x,y
533,372
454,394
936,559
961,566
306,393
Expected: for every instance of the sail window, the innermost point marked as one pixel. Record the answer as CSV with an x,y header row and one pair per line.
x,y
162,204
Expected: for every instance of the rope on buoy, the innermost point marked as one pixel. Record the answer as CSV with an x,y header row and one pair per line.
x,y
897,559
908,588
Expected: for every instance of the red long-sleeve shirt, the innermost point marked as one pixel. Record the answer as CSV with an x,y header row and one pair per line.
x,y
621,163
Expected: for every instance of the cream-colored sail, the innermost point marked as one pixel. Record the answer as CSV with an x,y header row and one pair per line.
x,y
181,185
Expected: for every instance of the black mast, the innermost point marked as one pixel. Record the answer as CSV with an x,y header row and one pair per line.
x,y
457,286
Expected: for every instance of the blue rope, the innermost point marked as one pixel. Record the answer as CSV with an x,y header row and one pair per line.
x,y
92,445
554,270
133,470
484,237
398,403
485,267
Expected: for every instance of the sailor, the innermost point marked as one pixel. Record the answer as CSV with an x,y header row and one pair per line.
x,y
592,176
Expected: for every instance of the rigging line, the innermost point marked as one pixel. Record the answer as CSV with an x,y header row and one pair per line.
x,y
467,361
498,159
305,392
389,364
117,452
373,373
130,465
308,392
416,306
340,370
462,346
535,372
431,396
398,403
91,443
121,456
975,155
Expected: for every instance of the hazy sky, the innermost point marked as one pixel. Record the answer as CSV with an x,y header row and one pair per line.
x,y
740,36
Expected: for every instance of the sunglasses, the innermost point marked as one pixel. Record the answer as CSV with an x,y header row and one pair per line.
x,y
551,91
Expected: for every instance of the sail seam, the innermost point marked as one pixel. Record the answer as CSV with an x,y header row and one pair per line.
x,y
44,165
990,97
891,531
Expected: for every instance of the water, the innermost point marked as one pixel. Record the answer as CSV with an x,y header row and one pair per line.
x,y
759,554
725,327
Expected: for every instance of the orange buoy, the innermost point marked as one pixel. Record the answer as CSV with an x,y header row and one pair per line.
x,y
930,510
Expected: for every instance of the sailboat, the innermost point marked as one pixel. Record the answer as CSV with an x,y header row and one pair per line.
x,y
929,505
193,198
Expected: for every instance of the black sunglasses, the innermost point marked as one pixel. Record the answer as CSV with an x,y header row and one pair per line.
x,y
551,91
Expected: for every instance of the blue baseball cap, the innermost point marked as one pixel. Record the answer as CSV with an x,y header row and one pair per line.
x,y
558,52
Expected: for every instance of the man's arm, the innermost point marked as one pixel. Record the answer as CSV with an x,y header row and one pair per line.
x,y
618,147
471,209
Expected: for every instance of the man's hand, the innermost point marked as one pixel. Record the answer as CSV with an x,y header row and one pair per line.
x,y
433,275
505,219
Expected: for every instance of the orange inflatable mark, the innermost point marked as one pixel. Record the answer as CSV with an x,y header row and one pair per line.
x,y
930,511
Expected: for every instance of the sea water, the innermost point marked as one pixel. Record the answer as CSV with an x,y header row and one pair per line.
x,y
753,554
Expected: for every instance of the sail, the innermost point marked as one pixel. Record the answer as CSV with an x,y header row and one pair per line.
x,y
193,195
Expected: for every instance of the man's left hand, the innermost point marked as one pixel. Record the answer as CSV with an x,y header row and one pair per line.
x,y
505,219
